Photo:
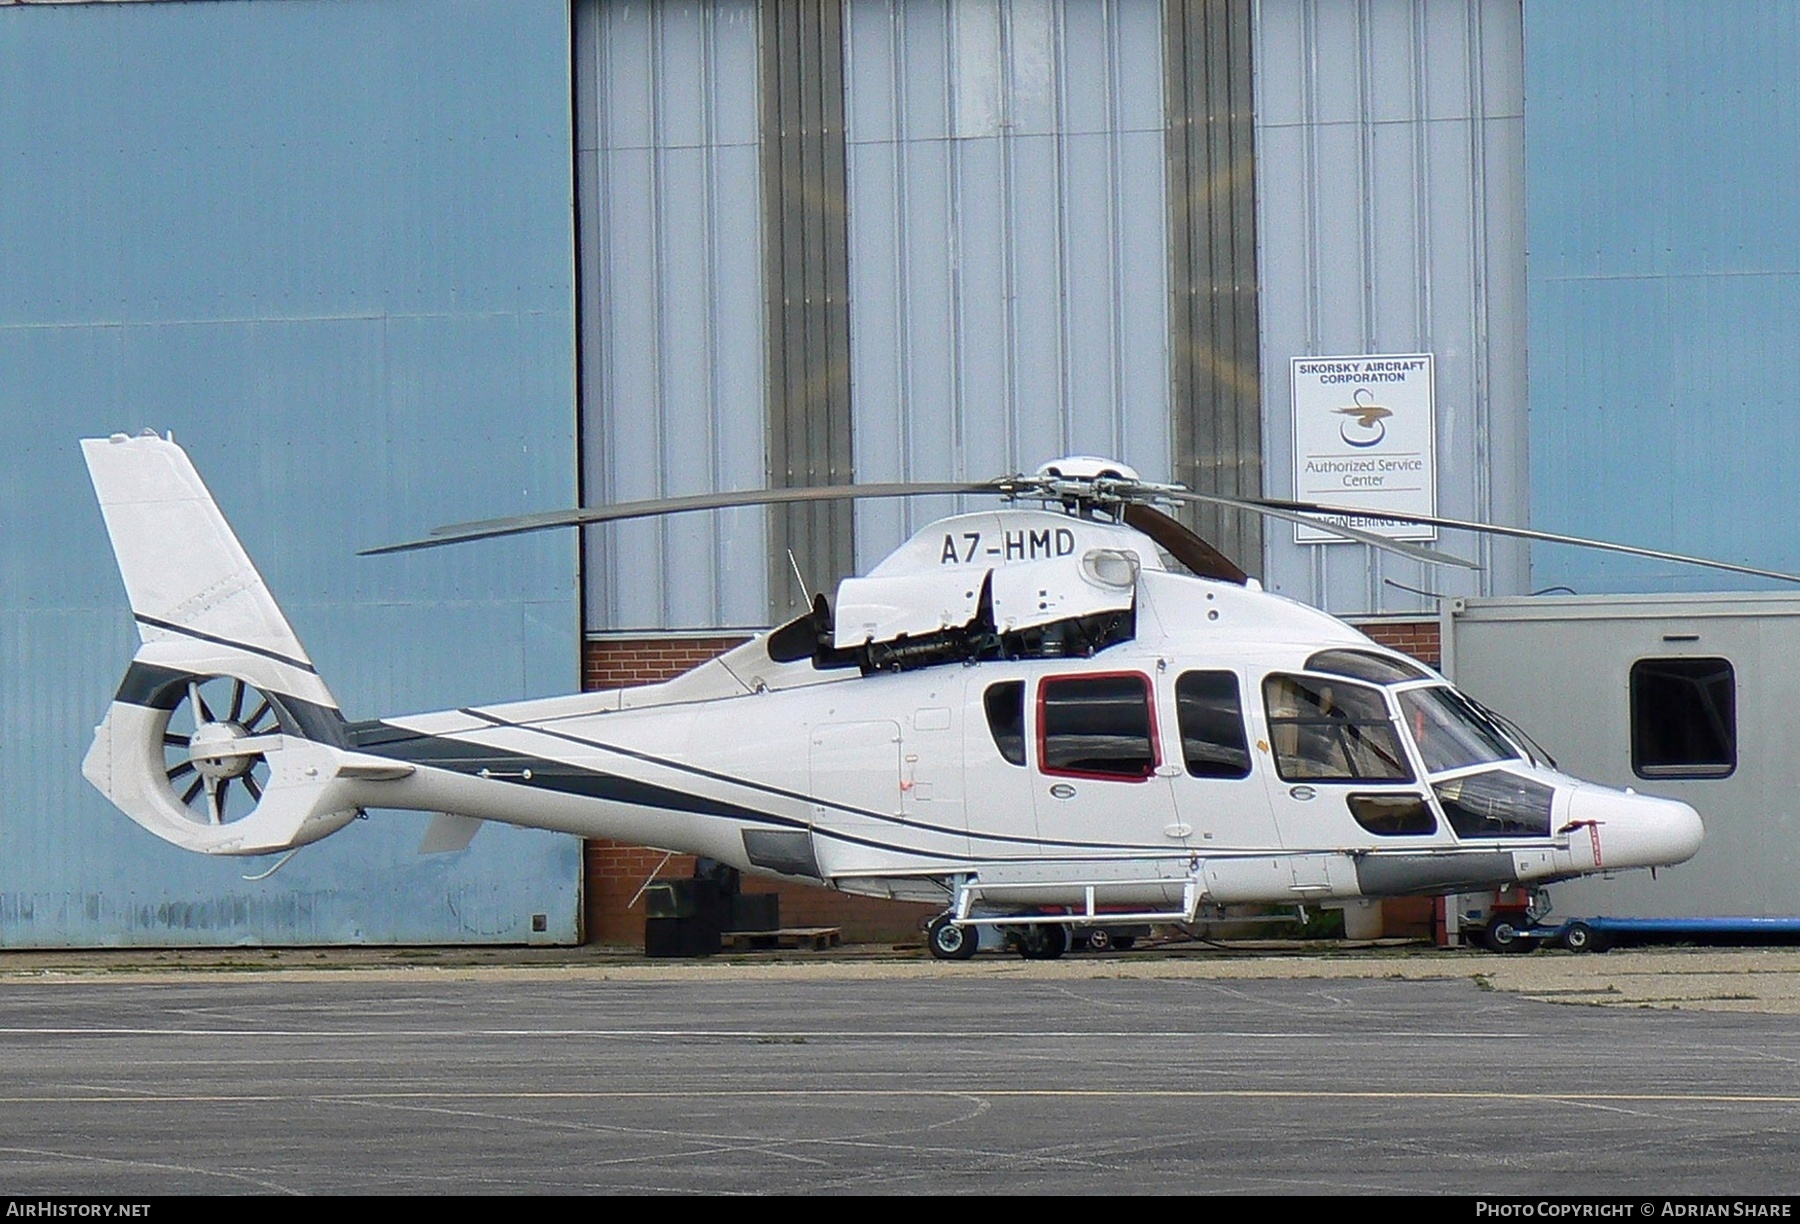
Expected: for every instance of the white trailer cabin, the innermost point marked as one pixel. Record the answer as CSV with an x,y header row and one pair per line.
x,y
1685,696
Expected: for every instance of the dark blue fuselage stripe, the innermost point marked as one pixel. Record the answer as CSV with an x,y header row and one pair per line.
x,y
764,788
504,765
246,647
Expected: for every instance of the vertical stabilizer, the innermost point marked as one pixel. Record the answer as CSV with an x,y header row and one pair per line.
x,y
194,592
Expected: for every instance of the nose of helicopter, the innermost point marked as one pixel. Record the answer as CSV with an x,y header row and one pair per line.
x,y
1638,830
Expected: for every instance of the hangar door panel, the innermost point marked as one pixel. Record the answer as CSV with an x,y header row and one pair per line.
x,y
374,335
673,339
1008,250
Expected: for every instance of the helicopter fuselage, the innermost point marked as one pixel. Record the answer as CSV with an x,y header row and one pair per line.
x,y
1023,715
1240,747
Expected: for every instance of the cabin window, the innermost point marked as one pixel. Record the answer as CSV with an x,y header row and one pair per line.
x,y
1683,718
1332,730
1005,704
1212,725
1097,726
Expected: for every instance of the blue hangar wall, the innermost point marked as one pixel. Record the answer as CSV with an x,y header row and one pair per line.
x,y
329,245
1663,286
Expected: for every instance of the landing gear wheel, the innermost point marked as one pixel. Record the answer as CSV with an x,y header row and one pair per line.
x,y
949,941
1043,941
1507,935
1099,939
1580,937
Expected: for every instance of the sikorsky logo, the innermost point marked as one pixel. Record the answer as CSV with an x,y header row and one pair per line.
x,y
1368,425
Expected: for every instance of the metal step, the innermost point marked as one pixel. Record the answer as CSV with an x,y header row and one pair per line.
x,y
1093,879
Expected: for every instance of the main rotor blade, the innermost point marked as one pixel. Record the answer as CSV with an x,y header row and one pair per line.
x,y
1174,537
1526,533
486,529
1295,512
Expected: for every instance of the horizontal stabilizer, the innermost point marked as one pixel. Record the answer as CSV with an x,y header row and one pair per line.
x,y
447,833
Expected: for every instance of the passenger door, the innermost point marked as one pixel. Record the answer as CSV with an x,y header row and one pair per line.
x,y
998,781
1217,793
1101,788
1340,776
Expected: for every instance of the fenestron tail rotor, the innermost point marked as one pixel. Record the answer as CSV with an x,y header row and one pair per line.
x,y
215,746
221,738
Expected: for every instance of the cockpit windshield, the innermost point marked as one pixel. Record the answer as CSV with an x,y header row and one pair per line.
x,y
1450,732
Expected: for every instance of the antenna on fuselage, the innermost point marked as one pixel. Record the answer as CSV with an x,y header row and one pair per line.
x,y
805,595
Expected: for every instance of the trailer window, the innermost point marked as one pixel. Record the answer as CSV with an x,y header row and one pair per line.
x,y
1097,727
1332,730
1683,718
1212,725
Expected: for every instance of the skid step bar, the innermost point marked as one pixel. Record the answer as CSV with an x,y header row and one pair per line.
x,y
969,894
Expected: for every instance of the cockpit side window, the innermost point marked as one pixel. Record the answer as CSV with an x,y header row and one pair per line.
x,y
1212,725
1005,704
1393,814
1333,731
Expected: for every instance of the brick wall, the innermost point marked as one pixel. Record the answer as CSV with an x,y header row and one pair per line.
x,y
616,871
1418,638
608,663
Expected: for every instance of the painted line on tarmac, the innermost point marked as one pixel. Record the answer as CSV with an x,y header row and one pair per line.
x,y
776,1035
689,1094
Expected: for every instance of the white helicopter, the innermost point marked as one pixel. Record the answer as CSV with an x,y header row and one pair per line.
x,y
1023,715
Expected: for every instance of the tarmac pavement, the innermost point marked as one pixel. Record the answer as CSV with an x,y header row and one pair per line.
x,y
1262,1068
1765,980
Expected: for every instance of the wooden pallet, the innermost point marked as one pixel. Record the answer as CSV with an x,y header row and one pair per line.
x,y
816,938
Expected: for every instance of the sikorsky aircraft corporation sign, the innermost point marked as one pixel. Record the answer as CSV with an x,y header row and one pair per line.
x,y
1363,437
